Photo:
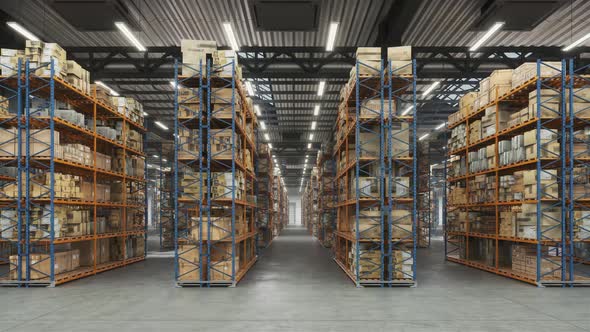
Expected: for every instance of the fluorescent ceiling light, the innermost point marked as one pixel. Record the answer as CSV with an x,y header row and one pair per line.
x,y
129,35
161,125
309,145
321,87
576,43
257,110
20,29
487,35
231,37
423,137
310,137
316,110
164,159
332,36
440,126
407,110
267,137
249,88
270,146
111,91
173,84
313,125
262,125
145,114
156,156
430,88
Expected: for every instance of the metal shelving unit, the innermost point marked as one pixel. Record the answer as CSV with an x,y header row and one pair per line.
x,y
376,178
165,207
326,199
577,104
265,199
43,166
547,248
215,224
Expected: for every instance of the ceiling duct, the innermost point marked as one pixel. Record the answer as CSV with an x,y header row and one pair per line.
x,y
285,15
518,15
94,15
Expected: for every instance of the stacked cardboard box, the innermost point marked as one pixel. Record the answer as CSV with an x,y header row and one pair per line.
x,y
457,166
550,104
370,59
369,261
102,95
77,76
500,83
457,196
483,222
222,60
549,144
475,133
9,59
40,53
511,151
549,219
482,159
402,264
189,103
524,262
401,224
40,264
188,262
458,137
400,59
508,222
221,144
529,70
188,142
482,189
221,185
194,55
134,140
457,220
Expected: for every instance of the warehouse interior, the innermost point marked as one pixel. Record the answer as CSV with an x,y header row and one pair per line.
x,y
300,165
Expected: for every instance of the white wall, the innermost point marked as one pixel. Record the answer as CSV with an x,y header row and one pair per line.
x,y
297,200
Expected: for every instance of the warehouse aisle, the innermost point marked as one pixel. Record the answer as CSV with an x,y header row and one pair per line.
x,y
295,286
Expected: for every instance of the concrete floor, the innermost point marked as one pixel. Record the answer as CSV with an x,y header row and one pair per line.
x,y
296,286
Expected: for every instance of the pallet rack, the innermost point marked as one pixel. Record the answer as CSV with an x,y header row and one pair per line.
x,y
165,207
312,193
578,228
376,178
326,199
500,253
215,209
265,199
424,212
38,233
280,205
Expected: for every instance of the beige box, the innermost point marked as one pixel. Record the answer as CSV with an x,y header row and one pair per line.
x,y
399,53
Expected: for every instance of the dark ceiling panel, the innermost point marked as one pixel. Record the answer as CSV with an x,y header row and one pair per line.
x,y
286,15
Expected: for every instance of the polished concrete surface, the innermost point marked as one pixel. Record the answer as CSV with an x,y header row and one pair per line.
x,y
296,286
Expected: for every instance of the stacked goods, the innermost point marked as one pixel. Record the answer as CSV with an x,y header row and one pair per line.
x,y
134,140
508,222
191,184
581,102
457,166
368,186
400,140
475,131
550,104
221,144
370,62
483,222
512,151
511,187
458,137
4,105
500,83
400,59
369,261
549,144
369,224
222,185
402,264
194,55
483,96
482,159
102,94
78,76
69,221
189,103
526,222
40,53
457,220
222,60
457,196
581,188
40,264
189,262
129,108
528,71
581,225
581,143
9,59
401,227
524,262
8,142
188,141
482,189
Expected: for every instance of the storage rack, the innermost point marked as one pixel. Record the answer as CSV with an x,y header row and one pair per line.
x,y
280,204
314,205
376,231
265,199
12,196
550,196
41,241
165,206
214,225
424,212
326,199
578,214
